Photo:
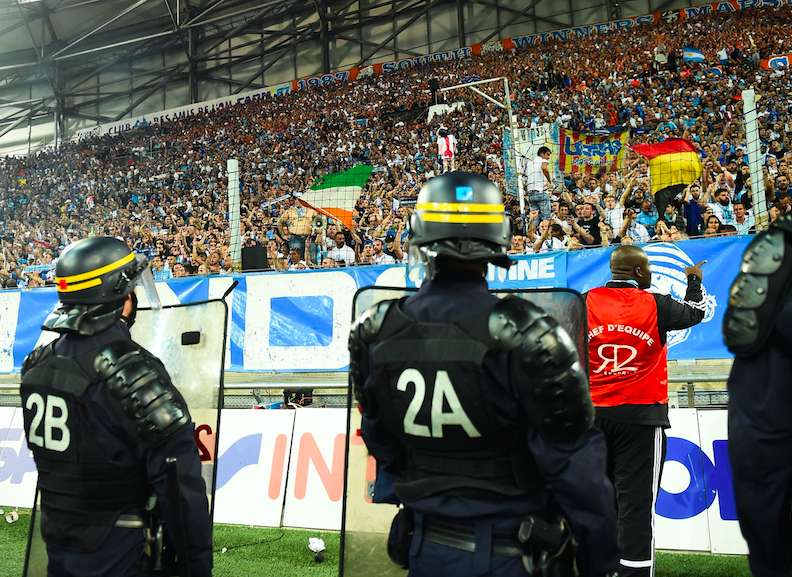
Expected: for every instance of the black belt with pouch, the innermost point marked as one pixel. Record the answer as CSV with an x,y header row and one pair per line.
x,y
547,549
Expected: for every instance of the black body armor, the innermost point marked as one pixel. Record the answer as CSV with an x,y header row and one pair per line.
x,y
83,487
428,382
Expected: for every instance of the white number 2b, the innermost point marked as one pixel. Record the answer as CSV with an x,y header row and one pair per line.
x,y
46,411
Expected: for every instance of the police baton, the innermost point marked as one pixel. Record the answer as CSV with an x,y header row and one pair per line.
x,y
178,533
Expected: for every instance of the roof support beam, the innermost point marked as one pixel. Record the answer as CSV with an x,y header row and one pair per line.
x,y
368,43
419,4
102,26
551,21
276,55
195,19
512,20
30,113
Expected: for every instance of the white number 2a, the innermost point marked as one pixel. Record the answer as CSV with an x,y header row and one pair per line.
x,y
46,411
443,391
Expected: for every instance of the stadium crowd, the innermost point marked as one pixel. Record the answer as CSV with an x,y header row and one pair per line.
x,y
163,187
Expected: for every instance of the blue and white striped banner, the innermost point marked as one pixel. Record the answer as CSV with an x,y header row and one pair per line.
x,y
299,321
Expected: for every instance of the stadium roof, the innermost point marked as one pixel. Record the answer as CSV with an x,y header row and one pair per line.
x,y
75,63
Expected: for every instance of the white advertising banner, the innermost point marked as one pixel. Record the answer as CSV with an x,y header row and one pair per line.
x,y
286,468
17,468
316,469
724,529
252,466
323,291
675,526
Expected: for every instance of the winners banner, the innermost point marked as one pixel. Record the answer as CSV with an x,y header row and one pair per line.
x,y
580,153
299,321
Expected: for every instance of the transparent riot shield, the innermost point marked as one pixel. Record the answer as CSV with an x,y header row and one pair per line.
x,y
190,340
365,524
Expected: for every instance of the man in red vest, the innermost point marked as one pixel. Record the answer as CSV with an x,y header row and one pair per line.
x,y
628,375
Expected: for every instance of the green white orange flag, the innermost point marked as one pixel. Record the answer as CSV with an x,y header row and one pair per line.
x,y
673,161
336,194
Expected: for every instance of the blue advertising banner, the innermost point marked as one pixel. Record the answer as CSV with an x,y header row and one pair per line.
x,y
589,269
299,321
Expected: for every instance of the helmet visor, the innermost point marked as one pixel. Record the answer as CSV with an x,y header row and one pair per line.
x,y
149,288
417,266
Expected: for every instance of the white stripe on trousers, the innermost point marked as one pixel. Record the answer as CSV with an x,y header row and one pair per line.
x,y
656,467
658,464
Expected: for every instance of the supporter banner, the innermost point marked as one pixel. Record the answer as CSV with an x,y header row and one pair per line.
x,y
495,46
777,62
580,153
299,321
511,166
286,468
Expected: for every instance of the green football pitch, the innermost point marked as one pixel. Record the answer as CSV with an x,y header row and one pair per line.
x,y
260,552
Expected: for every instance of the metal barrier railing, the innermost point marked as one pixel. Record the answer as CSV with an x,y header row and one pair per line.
x,y
333,393
689,397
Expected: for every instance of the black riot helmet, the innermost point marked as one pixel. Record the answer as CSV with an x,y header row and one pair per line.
x,y
97,270
93,277
460,215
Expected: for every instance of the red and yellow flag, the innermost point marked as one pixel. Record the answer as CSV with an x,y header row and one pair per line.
x,y
580,153
673,161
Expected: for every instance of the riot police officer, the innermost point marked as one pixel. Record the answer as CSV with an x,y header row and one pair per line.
x,y
758,330
479,409
102,419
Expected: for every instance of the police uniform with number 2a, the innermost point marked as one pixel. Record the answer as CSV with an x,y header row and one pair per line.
x,y
478,409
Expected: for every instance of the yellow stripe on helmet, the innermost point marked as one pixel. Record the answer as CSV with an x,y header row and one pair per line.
x,y
70,288
463,218
75,278
459,207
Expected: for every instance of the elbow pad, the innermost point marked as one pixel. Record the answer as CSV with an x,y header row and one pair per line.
x,y
759,290
545,369
142,386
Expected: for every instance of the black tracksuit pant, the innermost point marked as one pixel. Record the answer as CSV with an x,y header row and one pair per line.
x,y
635,462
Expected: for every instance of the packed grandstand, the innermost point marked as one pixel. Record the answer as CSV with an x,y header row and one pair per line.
x,y
163,187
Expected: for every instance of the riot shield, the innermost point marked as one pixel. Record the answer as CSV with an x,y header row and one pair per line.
x,y
365,524
190,340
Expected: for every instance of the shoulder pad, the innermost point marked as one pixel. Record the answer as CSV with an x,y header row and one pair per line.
x,y
545,368
757,292
370,322
364,331
783,222
765,253
35,356
144,389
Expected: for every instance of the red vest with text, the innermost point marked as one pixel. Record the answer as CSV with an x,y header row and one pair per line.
x,y
627,361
